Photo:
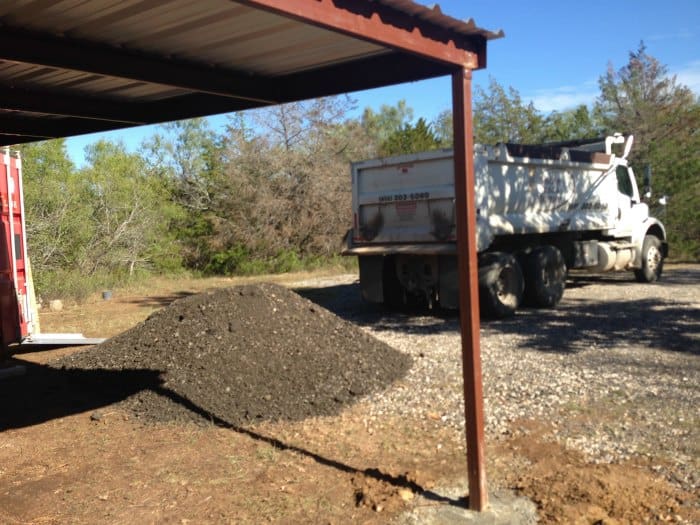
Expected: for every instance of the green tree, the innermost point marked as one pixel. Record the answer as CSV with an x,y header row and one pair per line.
x,y
187,153
502,116
130,212
444,130
187,156
57,218
379,126
287,190
642,99
573,124
410,139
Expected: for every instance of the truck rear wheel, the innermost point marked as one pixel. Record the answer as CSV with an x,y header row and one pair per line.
x,y
500,284
545,277
652,260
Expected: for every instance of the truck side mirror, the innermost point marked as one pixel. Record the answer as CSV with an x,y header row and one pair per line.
x,y
647,181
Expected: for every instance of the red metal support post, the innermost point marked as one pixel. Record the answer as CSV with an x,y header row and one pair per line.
x,y
468,285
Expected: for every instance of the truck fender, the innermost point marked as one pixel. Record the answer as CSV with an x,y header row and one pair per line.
x,y
651,226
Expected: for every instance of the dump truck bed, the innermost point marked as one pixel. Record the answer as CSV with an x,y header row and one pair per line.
x,y
410,199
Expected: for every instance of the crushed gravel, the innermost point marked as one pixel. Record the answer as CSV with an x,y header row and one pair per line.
x,y
242,355
614,369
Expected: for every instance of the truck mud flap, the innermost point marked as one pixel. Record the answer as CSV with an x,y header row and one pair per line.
x,y
371,273
449,282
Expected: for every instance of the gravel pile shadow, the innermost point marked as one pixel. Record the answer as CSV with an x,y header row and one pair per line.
x,y
247,354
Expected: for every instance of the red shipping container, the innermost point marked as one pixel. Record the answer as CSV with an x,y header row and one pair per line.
x,y
15,314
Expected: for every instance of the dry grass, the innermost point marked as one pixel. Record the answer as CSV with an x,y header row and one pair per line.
x,y
128,306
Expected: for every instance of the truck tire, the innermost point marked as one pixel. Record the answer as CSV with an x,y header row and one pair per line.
x,y
652,260
545,277
500,284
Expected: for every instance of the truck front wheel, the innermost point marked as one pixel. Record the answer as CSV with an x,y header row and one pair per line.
x,y
500,284
545,277
652,260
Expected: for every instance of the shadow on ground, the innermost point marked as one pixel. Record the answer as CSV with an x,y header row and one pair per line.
x,y
573,326
158,301
576,325
676,276
44,393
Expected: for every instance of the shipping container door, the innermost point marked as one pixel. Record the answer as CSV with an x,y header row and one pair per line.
x,y
14,308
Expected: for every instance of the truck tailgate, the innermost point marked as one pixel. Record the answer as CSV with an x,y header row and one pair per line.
x,y
385,211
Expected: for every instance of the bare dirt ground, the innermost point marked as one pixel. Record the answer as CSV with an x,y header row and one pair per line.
x,y
592,412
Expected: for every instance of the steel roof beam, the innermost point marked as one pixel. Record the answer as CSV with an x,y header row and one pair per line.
x,y
380,24
189,106
91,114
7,139
372,72
43,128
88,57
49,102
36,128
125,113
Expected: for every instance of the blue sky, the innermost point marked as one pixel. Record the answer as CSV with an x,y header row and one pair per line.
x,y
553,54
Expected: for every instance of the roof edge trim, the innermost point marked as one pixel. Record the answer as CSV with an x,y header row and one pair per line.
x,y
385,25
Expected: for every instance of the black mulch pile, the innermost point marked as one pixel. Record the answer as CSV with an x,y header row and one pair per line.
x,y
242,355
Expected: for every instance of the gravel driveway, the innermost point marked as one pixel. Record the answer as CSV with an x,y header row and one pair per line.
x,y
614,369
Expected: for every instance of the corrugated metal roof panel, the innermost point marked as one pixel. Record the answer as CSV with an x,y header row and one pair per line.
x,y
27,76
434,15
213,32
28,114
222,55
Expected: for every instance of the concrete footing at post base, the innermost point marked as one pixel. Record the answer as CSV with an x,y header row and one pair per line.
x,y
448,506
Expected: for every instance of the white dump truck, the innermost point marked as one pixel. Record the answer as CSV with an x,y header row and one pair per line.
x,y
541,211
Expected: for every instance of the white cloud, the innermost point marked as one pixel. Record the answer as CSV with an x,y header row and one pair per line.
x,y
689,75
681,34
564,97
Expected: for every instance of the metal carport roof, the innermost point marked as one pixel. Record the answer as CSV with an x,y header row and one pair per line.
x,y
69,67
